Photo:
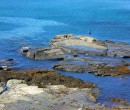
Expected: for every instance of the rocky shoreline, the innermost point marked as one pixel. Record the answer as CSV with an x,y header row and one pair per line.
x,y
67,49
49,90
38,89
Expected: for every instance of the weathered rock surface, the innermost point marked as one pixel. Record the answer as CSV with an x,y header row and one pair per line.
x,y
118,49
98,66
65,47
122,103
41,78
47,53
55,92
20,96
91,46
61,45
80,44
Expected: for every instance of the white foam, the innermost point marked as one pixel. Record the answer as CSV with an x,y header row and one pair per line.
x,y
27,26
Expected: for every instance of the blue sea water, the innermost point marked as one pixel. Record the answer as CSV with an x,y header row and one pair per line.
x,y
36,22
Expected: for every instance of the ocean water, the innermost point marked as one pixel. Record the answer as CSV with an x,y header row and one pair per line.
x,y
36,22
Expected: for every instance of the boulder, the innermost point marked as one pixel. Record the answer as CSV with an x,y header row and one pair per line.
x,y
24,50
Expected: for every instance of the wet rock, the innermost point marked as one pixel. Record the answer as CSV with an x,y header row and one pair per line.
x,y
84,45
97,66
124,102
42,78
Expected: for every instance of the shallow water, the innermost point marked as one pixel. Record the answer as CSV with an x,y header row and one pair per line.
x,y
34,23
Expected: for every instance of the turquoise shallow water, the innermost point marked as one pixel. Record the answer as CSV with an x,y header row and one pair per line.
x,y
35,22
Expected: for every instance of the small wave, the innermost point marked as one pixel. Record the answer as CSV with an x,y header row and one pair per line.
x,y
27,26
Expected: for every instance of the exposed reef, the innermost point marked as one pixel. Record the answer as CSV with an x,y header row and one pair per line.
x,y
67,49
41,78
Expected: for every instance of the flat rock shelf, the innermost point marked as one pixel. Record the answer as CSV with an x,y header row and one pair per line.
x,y
67,49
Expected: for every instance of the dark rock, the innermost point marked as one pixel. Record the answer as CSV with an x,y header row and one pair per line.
x,y
10,60
24,50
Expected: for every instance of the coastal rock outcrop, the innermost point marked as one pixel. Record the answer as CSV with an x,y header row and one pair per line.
x,y
118,49
69,50
65,44
91,46
21,96
25,89
80,45
47,53
41,78
98,66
